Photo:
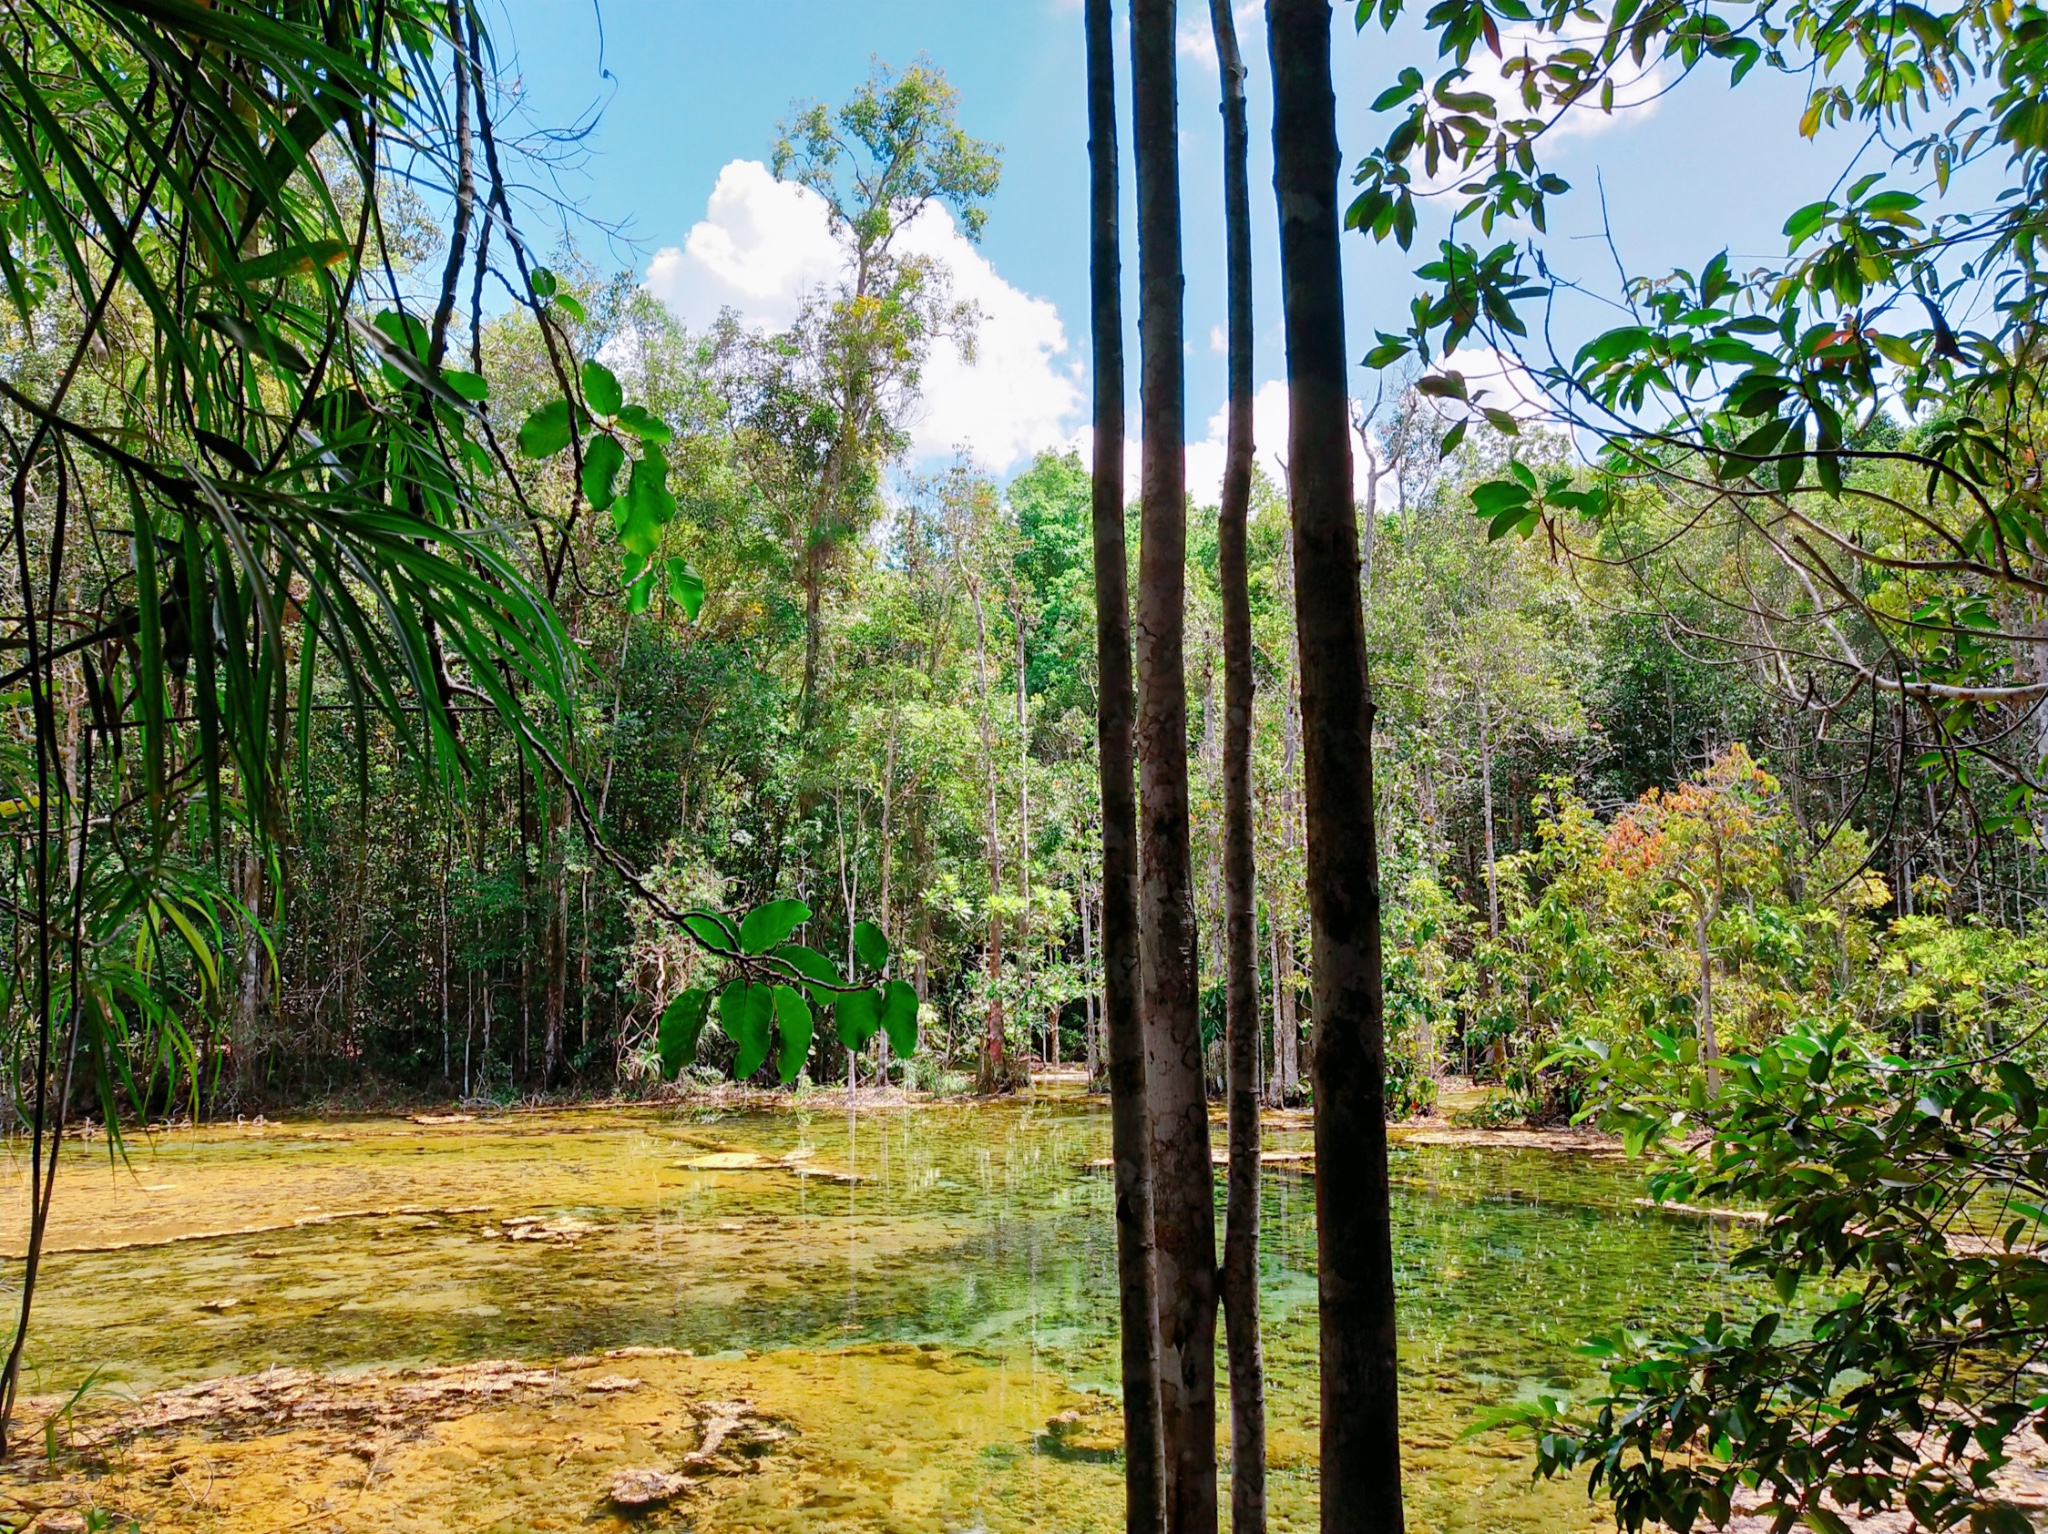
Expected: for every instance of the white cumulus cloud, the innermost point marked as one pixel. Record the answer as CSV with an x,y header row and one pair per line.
x,y
1018,394
762,245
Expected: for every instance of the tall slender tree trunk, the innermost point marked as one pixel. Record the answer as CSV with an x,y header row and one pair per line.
x,y
1486,811
1361,1446
1115,712
1023,806
885,904
1710,1043
1183,1201
1091,1056
1240,929
1286,1014
994,1071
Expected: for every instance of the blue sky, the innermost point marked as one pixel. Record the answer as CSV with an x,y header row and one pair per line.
x,y
681,89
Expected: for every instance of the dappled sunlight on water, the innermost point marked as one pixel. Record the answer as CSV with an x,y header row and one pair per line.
x,y
917,1291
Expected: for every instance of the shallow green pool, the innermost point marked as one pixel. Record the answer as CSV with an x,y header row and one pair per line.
x,y
981,1227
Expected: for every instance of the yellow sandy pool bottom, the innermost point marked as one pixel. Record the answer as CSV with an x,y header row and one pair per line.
x,y
881,1437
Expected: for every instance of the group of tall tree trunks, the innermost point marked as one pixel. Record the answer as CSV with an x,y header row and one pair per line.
x,y
1168,1274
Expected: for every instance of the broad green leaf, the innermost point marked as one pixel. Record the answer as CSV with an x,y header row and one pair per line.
x,y
813,965
713,931
471,386
601,391
639,534
899,1018
643,424
1390,351
647,492
682,1022
793,1026
1498,495
405,331
767,925
543,282
746,1013
871,943
685,587
640,592
2021,1088
1521,519
601,465
856,1016
546,431
1806,221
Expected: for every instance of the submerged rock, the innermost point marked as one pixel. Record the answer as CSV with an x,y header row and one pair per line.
x,y
56,1521
636,1489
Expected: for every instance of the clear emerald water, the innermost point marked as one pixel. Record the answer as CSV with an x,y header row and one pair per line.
x,y
979,1227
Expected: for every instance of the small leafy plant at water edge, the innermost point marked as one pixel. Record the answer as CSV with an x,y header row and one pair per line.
x,y
1915,1192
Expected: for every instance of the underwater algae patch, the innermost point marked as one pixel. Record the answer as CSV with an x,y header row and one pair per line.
x,y
888,1436
920,1299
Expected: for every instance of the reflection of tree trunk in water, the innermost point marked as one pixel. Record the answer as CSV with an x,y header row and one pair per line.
x,y
1116,707
994,1069
1241,957
1486,797
1183,1205
1360,1429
